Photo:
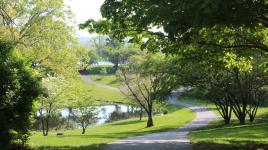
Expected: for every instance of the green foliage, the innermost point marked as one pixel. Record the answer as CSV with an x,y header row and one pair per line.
x,y
145,83
101,69
85,113
136,19
19,88
42,35
119,53
86,56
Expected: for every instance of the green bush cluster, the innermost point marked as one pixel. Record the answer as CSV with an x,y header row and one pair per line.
x,y
18,89
101,70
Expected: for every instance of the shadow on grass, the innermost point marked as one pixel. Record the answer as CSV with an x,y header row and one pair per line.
x,y
233,145
118,135
116,81
127,122
219,136
87,147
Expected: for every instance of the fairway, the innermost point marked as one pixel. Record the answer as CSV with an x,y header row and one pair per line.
x,y
97,137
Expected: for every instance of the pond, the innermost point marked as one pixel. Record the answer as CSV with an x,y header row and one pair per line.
x,y
103,63
109,113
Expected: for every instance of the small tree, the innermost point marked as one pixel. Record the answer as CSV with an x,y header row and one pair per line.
x,y
53,88
145,83
85,114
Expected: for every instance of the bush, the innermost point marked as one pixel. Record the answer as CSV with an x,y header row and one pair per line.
x,y
101,70
18,89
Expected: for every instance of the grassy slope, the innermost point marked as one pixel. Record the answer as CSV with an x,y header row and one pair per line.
x,y
99,93
233,136
97,137
110,80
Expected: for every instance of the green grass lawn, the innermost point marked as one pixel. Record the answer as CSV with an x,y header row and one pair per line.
x,y
96,137
104,94
110,80
98,93
234,136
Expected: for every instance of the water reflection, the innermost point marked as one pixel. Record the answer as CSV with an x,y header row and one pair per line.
x,y
109,113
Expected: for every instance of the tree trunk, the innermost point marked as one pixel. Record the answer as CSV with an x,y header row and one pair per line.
x,y
141,113
224,107
150,120
47,128
43,126
116,66
42,122
83,130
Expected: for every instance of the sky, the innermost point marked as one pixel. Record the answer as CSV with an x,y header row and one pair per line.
x,y
84,10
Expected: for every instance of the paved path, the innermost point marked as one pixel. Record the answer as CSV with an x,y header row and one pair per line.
x,y
171,140
89,81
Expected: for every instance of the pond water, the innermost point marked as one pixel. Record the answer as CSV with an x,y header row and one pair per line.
x,y
111,112
103,63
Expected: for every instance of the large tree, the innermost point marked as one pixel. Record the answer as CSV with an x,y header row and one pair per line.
x,y
41,34
180,20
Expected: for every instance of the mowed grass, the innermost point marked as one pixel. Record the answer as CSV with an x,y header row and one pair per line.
x,y
97,137
102,94
234,136
110,80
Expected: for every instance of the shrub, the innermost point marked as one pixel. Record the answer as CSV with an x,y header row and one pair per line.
x,y
101,70
18,89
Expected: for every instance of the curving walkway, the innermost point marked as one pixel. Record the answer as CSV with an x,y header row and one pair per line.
x,y
171,140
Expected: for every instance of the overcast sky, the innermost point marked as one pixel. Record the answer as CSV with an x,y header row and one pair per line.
x,y
84,10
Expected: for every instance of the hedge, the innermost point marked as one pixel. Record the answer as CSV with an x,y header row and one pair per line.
x,y
101,70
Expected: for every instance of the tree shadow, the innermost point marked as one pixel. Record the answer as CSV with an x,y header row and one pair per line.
x,y
87,147
116,81
232,145
127,122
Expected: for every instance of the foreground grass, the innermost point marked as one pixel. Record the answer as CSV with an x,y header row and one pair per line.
x,y
232,137
96,137
110,80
